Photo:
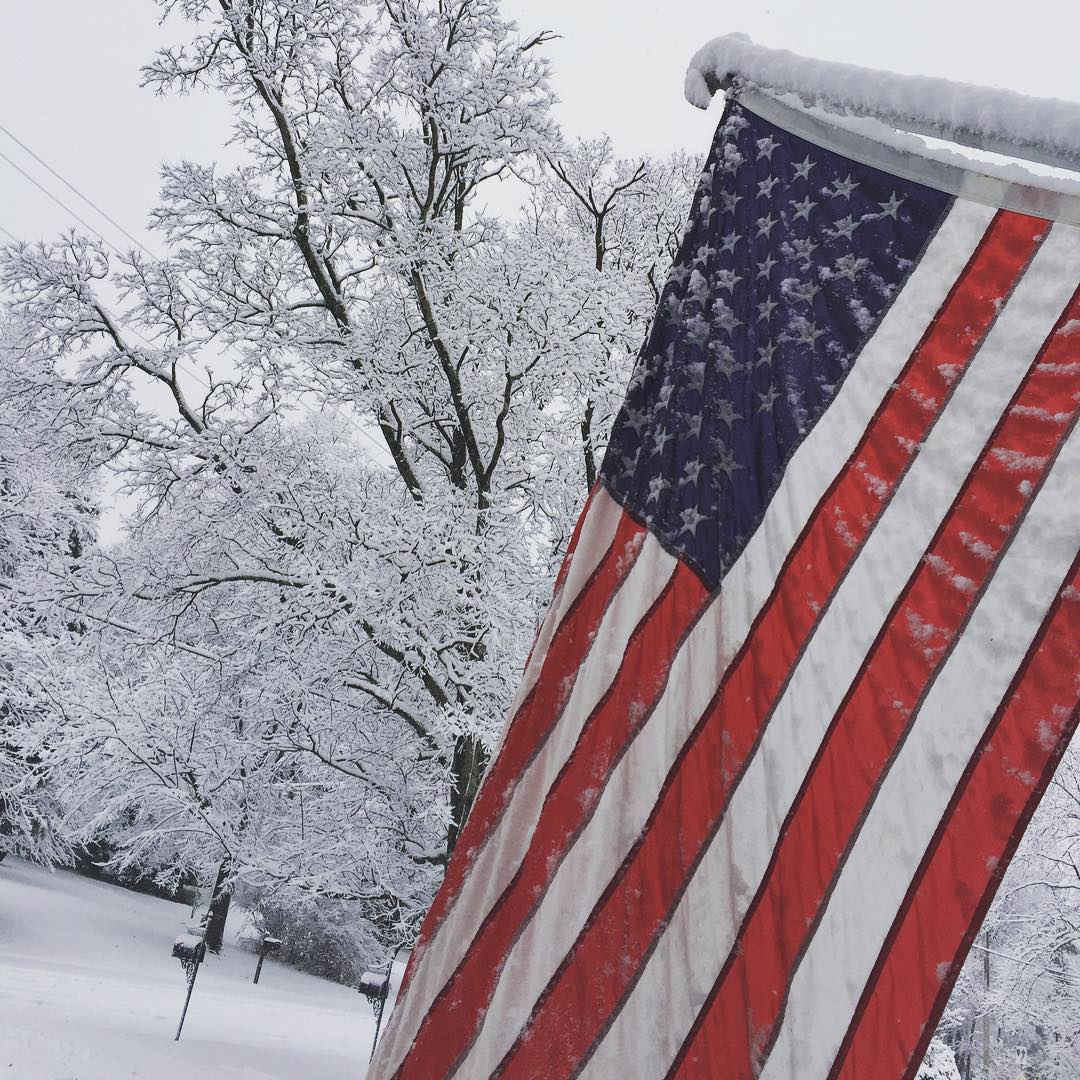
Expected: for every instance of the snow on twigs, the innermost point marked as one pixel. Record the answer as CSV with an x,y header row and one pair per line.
x,y
1045,129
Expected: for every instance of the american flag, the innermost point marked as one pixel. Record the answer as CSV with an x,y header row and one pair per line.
x,y
810,663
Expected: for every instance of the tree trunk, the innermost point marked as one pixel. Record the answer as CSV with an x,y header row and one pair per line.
x,y
587,447
470,761
218,911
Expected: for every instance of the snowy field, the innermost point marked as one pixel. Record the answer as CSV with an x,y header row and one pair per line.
x,y
89,991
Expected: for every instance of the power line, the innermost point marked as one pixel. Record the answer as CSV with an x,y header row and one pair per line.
x,y
59,202
67,183
105,240
1063,976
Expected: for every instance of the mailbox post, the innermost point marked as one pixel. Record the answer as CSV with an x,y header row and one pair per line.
x,y
190,950
269,945
377,987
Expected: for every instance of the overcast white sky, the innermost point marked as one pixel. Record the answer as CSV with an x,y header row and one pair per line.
x,y
69,83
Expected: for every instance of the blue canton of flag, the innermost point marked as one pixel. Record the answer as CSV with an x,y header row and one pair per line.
x,y
792,256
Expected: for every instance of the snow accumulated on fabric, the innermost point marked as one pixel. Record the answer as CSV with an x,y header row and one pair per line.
x,y
1003,114
1028,174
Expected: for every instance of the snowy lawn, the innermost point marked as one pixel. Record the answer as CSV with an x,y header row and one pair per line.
x,y
89,991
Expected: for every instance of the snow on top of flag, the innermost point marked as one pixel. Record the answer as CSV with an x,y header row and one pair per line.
x,y
1038,127
792,255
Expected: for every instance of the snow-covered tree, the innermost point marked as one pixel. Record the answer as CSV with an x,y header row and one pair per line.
x,y
298,659
939,1063
46,523
1014,1009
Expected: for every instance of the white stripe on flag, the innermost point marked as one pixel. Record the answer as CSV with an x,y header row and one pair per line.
x,y
916,791
689,959
697,668
502,854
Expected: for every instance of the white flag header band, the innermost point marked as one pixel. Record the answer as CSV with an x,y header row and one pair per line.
x,y
997,188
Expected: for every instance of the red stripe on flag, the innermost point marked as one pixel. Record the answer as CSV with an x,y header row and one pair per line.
x,y
540,711
576,1007
457,1013
964,863
741,1016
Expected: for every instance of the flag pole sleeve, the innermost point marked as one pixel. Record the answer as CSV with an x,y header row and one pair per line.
x,y
1043,130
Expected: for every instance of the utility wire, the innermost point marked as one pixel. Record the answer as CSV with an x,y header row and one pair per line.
x,y
71,187
105,240
1063,976
59,202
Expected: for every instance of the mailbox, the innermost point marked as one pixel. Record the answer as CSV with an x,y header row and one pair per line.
x,y
373,984
189,949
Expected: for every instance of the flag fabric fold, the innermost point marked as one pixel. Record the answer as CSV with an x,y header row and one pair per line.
x,y
812,657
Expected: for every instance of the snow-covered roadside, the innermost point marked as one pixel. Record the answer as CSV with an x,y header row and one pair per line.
x,y
89,991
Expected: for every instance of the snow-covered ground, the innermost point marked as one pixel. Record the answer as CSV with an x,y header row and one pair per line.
x,y
89,991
